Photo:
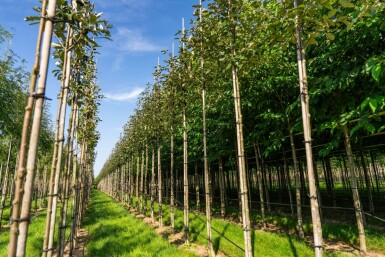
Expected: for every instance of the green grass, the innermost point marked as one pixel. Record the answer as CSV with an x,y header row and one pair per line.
x,y
375,240
114,232
35,232
228,237
35,236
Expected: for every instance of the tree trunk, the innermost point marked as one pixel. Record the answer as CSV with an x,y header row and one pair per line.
x,y
316,220
260,186
240,143
61,126
331,181
205,163
5,184
146,182
264,179
67,168
367,181
74,186
222,188
297,184
288,184
137,182
185,179
196,181
172,200
142,184
356,196
160,196
376,177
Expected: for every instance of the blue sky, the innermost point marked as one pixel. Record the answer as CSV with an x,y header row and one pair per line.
x,y
141,30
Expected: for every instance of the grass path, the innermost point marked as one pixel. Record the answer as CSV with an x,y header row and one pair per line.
x,y
113,232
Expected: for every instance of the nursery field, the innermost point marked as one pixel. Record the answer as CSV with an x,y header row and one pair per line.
x,y
259,131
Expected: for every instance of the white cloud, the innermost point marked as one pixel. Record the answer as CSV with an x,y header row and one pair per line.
x,y
132,40
124,96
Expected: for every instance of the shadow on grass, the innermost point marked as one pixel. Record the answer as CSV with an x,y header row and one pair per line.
x,y
292,246
217,240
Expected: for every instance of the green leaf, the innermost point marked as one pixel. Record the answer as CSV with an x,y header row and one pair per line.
x,y
312,41
373,104
332,12
346,4
369,64
381,128
330,36
376,71
353,130
370,127
364,104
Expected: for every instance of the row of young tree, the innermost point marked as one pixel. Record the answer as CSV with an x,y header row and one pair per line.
x,y
242,61
75,26
13,98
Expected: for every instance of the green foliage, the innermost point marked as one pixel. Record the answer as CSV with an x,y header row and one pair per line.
x,y
14,81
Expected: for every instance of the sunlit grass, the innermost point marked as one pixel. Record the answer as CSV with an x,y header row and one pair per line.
x,y
114,232
35,232
228,237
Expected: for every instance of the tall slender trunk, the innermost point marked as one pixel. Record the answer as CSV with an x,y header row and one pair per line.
x,y
35,131
260,186
241,166
240,144
206,165
222,188
196,182
146,181
142,184
356,196
66,182
315,214
5,184
172,200
74,188
286,174
1,176
376,177
185,179
130,181
12,187
367,180
49,207
63,109
21,171
152,185
264,185
44,187
160,196
297,183
137,182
